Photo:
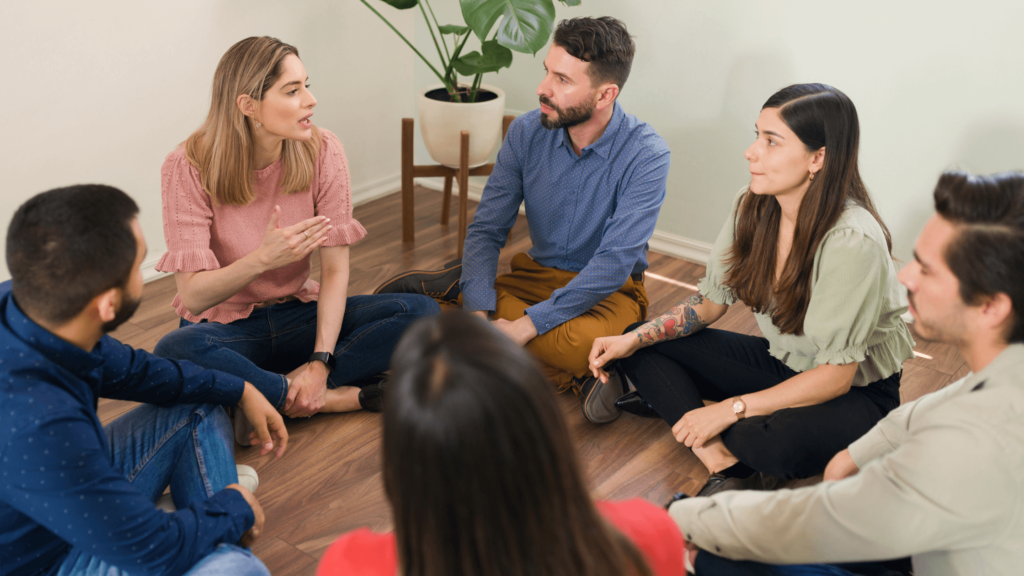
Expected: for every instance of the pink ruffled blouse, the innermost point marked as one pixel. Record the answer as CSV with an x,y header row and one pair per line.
x,y
203,236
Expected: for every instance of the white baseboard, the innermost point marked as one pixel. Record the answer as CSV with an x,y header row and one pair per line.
x,y
373,190
681,247
149,271
360,195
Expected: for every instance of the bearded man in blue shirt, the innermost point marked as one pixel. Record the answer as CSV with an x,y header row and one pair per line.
x,y
593,180
77,498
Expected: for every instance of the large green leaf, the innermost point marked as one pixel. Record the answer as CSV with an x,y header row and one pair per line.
x,y
494,58
526,24
571,2
453,29
401,4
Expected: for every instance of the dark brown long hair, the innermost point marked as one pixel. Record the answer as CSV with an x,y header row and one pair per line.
x,y
822,117
478,465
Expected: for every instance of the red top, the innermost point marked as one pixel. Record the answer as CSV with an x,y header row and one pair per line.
x,y
202,235
648,526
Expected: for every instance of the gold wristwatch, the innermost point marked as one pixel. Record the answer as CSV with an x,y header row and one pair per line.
x,y
739,408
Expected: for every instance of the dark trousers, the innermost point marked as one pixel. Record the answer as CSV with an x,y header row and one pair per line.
x,y
708,564
674,376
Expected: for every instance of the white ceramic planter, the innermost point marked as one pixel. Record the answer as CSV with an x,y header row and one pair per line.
x,y
442,122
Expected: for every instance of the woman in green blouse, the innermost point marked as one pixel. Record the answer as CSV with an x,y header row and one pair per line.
x,y
806,250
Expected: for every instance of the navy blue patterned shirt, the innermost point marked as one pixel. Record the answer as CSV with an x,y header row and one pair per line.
x,y
58,486
592,214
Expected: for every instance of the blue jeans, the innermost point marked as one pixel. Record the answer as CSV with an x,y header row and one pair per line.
x,y
189,448
277,339
708,564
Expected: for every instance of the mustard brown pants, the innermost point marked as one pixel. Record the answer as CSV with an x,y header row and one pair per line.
x,y
564,350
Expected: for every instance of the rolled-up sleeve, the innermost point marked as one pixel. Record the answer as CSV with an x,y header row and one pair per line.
x,y
334,194
187,215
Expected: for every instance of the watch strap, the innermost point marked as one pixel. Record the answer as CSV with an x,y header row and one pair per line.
x,y
326,357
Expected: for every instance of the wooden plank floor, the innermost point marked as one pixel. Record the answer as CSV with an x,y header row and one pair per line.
x,y
329,482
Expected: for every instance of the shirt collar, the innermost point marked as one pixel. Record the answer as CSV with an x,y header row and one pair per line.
x,y
1002,370
58,351
604,144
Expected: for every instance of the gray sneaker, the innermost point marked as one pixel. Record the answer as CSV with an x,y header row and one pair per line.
x,y
597,399
440,284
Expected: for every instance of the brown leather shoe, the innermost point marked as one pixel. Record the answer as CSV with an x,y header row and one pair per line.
x,y
440,284
597,399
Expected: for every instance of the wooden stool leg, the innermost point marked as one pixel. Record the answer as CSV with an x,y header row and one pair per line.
x,y
463,190
408,220
446,204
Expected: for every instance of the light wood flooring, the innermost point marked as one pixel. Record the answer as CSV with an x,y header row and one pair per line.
x,y
329,482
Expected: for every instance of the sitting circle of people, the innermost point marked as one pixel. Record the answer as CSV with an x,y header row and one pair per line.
x,y
479,466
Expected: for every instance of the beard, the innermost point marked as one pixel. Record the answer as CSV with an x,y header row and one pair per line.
x,y
128,307
567,117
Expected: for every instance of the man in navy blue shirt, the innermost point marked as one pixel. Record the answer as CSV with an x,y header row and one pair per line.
x,y
76,498
593,180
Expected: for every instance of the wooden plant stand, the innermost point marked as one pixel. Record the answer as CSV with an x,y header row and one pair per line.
x,y
463,172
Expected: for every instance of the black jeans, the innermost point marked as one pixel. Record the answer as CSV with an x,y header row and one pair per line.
x,y
674,376
710,565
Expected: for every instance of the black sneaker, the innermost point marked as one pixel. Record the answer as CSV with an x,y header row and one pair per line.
x,y
440,284
371,392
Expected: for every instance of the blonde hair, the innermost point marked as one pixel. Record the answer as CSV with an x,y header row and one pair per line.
x,y
222,148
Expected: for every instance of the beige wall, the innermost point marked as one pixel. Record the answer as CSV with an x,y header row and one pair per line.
x,y
938,84
101,91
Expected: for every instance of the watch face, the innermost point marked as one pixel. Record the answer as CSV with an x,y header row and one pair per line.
x,y
738,406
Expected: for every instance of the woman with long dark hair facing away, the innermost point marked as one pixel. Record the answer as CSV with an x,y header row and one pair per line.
x,y
482,475
246,200
805,248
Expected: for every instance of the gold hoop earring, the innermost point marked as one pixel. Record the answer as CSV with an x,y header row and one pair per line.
x,y
812,173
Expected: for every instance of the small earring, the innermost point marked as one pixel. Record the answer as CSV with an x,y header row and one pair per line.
x,y
812,173
258,125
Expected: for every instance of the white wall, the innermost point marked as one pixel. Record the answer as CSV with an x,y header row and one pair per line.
x,y
101,91
938,84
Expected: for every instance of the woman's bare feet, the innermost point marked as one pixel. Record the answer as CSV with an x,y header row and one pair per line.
x,y
342,399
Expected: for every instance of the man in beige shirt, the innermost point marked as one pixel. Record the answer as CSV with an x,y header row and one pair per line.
x,y
940,479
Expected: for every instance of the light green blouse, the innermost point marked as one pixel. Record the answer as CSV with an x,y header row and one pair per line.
x,y
854,312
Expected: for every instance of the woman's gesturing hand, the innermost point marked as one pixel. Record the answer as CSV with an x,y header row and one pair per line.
x,y
610,348
283,246
698,426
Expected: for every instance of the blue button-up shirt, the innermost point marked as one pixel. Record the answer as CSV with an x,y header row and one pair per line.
x,y
58,486
592,214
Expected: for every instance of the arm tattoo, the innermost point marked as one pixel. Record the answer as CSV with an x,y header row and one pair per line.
x,y
681,320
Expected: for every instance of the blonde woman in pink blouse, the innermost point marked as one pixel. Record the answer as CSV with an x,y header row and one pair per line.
x,y
246,200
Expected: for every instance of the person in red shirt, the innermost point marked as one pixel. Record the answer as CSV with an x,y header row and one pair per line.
x,y
483,477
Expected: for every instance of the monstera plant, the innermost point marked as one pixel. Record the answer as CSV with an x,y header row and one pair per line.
x,y
525,26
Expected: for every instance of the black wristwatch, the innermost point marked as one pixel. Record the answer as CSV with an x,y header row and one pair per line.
x,y
326,357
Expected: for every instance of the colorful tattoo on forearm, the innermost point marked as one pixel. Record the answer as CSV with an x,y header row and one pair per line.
x,y
681,320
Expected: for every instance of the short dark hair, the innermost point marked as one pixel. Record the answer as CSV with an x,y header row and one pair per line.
x,y
68,245
987,254
481,473
603,42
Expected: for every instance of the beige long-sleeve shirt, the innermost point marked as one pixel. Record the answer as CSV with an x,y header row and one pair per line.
x,y
941,480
